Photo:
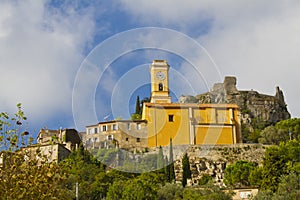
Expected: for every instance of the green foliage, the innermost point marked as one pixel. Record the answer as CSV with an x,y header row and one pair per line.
x,y
12,135
255,176
138,109
34,178
270,135
136,116
237,174
170,191
280,160
204,179
288,188
26,174
258,123
160,159
145,186
171,174
209,191
88,172
282,131
186,171
289,126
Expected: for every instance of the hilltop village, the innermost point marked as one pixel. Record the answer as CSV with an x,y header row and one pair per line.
x,y
217,117
213,132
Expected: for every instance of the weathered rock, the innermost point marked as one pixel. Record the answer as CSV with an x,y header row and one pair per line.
x,y
270,109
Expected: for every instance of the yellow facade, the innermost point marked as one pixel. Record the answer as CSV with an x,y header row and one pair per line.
x,y
159,71
162,120
211,124
185,124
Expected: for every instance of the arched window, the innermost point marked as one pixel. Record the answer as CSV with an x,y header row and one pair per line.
x,y
160,87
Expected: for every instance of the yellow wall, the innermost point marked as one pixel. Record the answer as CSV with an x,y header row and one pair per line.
x,y
214,135
158,122
193,124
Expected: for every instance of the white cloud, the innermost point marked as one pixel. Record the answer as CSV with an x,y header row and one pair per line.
x,y
41,48
257,41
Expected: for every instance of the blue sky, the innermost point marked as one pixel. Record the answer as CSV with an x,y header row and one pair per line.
x,y
72,63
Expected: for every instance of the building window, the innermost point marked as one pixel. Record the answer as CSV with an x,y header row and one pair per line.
x,y
114,127
138,139
171,118
160,87
104,128
138,126
127,139
128,126
110,137
96,130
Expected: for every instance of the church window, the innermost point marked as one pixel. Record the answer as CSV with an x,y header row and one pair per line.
x,y
171,118
160,87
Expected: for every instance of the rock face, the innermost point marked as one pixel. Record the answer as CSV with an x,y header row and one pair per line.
x,y
270,109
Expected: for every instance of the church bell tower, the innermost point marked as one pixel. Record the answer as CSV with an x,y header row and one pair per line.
x,y
159,70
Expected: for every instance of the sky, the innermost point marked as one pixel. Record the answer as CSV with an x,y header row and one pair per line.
x,y
74,63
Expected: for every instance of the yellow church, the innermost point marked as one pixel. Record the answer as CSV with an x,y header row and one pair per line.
x,y
162,120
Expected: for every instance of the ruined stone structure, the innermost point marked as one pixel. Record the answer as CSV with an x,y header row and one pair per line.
x,y
270,109
55,144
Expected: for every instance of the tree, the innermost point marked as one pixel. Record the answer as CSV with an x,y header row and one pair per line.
x,y
288,188
237,174
186,171
160,159
88,172
143,187
170,191
289,126
12,136
279,161
26,174
138,106
171,177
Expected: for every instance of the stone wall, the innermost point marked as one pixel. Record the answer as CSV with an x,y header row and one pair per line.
x,y
212,160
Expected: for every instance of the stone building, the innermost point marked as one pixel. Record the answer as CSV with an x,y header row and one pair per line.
x,y
124,134
55,144
162,120
70,138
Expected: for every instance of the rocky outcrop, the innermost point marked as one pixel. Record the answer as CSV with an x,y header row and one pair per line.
x,y
270,109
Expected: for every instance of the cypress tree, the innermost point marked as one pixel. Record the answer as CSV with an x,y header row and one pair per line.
x,y
167,169
186,171
160,159
137,105
171,165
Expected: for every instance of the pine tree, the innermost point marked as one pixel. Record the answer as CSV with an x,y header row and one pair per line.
x,y
171,165
186,171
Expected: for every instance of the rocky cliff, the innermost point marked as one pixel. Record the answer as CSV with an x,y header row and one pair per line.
x,y
267,108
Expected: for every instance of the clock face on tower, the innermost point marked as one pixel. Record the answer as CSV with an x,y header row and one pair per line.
x,y
160,75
